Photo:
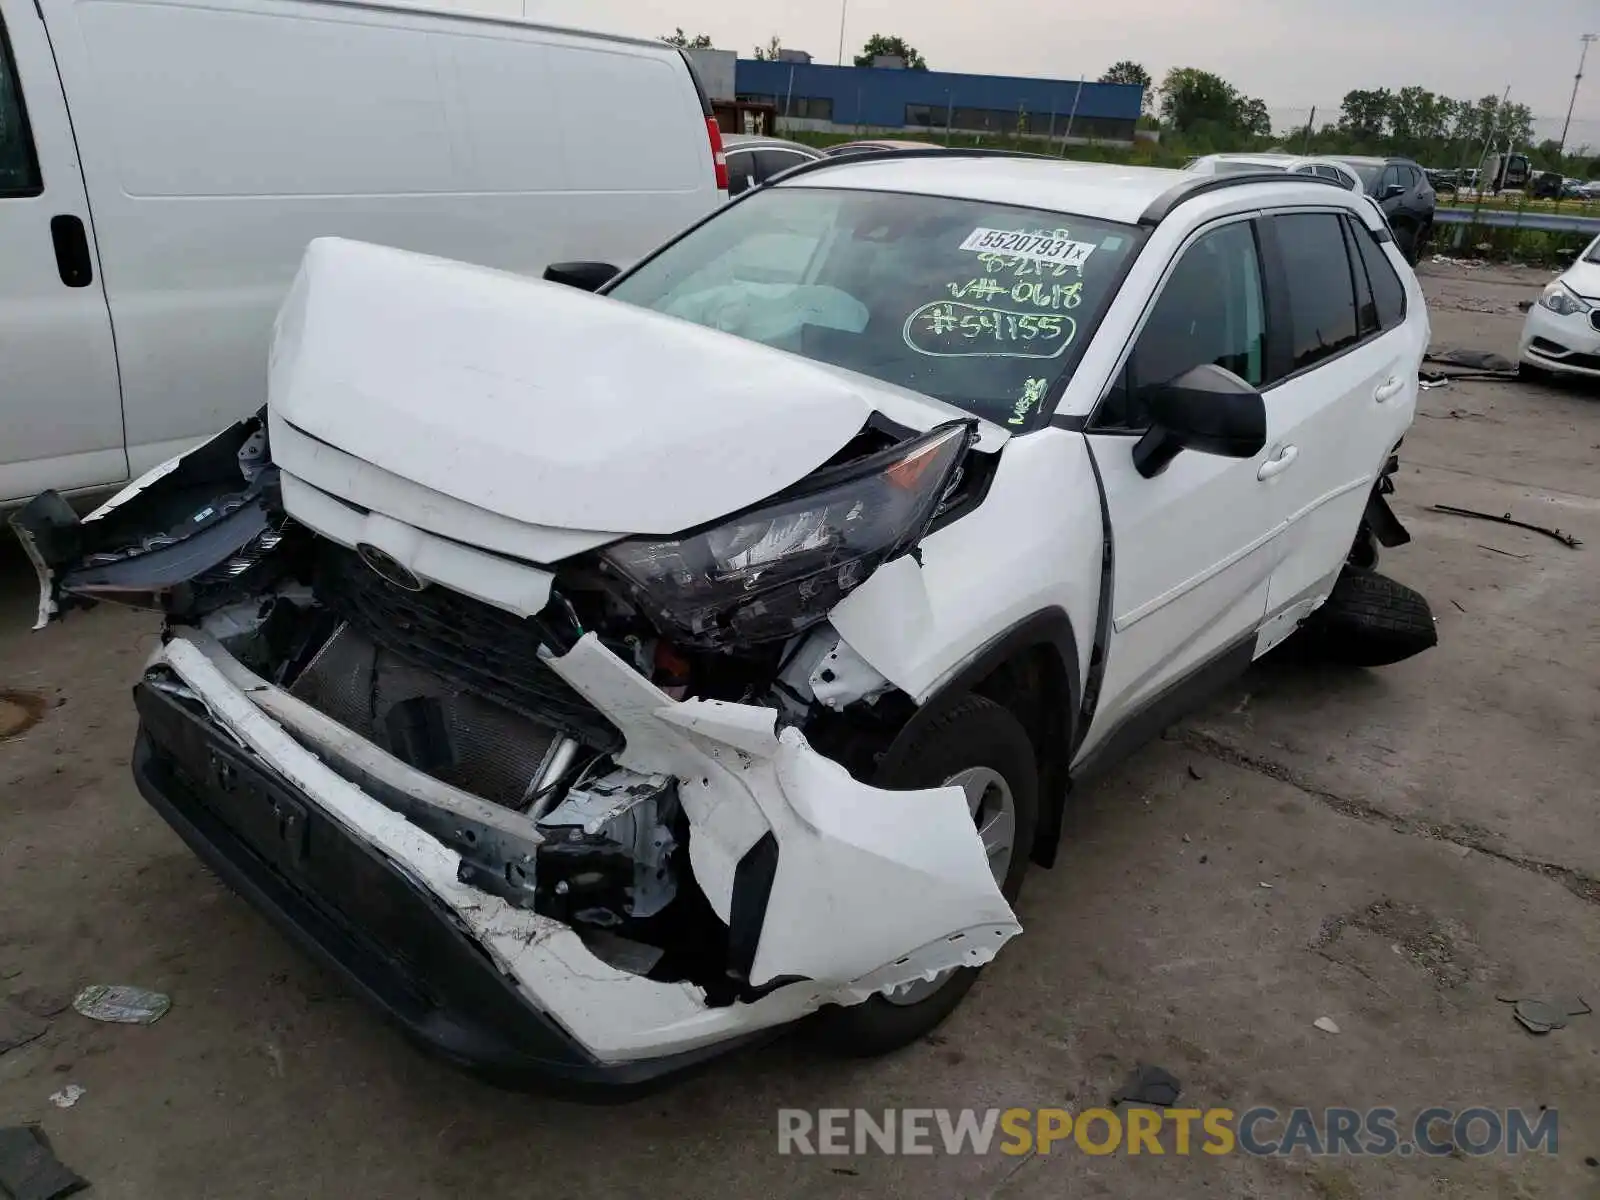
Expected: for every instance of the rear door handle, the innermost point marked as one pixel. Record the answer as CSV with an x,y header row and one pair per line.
x,y
1389,389
72,251
1280,464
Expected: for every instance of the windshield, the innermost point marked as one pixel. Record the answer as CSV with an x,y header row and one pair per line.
x,y
983,306
1592,254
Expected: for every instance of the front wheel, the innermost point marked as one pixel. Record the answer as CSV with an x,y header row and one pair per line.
x,y
981,748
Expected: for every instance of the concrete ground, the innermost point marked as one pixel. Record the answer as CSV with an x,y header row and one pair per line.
x,y
1430,832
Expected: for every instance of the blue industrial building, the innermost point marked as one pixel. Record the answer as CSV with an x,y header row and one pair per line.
x,y
896,98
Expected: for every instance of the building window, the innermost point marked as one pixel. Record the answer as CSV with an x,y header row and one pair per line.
x,y
926,116
772,100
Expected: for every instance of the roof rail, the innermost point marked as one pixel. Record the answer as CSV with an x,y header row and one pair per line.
x,y
932,151
1161,207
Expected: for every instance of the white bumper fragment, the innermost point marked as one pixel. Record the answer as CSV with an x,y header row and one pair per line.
x,y
872,888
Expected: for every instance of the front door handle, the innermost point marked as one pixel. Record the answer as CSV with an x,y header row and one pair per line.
x,y
1280,464
1389,389
72,251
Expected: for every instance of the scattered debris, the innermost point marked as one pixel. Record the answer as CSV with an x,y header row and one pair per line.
x,y
1266,885
28,1168
1541,1014
844,1170
1149,1085
1194,774
1524,305
18,1027
1204,857
1457,603
121,1005
1429,384
1507,553
1326,1024
1566,539
1186,839
68,1096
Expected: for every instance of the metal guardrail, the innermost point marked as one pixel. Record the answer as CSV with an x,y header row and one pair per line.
x,y
1501,218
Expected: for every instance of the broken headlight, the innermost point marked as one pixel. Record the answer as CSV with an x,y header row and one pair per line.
x,y
771,572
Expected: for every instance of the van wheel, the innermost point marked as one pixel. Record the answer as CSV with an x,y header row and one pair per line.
x,y
1370,621
980,747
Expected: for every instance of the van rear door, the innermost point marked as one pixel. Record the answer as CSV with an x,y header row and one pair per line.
x,y
60,405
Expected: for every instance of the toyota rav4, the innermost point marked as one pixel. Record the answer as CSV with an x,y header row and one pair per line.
x,y
599,681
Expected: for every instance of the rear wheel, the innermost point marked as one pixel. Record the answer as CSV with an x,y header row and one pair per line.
x,y
981,748
1405,237
1370,620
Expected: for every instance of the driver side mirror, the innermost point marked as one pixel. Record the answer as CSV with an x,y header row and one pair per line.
x,y
1390,191
1208,409
589,276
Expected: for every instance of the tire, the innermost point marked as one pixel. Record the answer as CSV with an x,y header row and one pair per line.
x,y
1370,621
1406,240
975,732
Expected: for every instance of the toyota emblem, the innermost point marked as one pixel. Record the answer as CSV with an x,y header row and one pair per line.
x,y
388,568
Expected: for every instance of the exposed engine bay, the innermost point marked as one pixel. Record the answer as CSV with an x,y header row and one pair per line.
x,y
479,726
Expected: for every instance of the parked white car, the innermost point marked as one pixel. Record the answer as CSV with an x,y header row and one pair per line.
x,y
1562,331
164,163
1293,164
601,681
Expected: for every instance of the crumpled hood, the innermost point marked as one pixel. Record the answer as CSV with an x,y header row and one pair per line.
x,y
551,406
1583,277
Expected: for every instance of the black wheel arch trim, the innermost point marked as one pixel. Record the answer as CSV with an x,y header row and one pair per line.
x,y
1049,628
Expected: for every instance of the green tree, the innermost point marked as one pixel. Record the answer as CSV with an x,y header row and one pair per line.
x,y
1128,71
700,41
769,52
1364,114
1192,97
1253,117
881,44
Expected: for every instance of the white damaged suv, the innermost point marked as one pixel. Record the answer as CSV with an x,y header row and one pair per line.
x,y
601,681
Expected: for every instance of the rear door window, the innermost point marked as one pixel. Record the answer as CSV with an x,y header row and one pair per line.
x,y
776,162
1322,302
19,166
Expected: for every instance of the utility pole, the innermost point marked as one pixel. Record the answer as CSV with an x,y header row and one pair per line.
x,y
1072,117
1305,147
844,7
1577,79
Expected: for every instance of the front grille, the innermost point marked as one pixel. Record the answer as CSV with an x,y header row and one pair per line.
x,y
482,648
479,746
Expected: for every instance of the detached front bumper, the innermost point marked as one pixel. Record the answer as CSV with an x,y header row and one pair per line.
x,y
390,939
832,890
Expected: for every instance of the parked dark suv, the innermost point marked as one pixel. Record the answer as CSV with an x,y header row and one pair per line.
x,y
1402,190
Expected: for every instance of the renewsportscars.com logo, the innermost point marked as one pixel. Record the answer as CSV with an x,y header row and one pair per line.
x,y
1432,1132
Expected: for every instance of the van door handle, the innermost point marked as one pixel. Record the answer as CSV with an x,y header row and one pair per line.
x,y
1389,389
1280,464
72,251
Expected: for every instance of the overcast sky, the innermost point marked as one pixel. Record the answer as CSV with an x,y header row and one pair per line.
x,y
1290,53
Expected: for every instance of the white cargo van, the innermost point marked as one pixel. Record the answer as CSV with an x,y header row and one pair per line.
x,y
163,164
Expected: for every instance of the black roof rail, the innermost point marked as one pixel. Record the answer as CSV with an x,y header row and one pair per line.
x,y
890,153
1161,207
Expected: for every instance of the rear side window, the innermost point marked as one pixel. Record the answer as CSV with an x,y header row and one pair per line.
x,y
1388,293
776,162
1322,304
19,168
1366,310
742,172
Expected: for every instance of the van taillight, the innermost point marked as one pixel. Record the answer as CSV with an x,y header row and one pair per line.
x,y
718,158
